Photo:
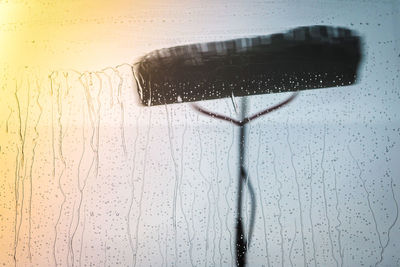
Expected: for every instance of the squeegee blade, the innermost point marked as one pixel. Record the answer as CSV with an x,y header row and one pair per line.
x,y
299,59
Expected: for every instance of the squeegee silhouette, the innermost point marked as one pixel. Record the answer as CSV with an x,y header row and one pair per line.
x,y
302,58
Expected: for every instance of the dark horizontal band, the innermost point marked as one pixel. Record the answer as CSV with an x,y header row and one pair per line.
x,y
302,58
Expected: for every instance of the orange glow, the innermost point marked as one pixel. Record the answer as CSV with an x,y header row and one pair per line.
x,y
66,34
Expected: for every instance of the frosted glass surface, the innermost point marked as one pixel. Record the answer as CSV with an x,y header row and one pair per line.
x,y
89,177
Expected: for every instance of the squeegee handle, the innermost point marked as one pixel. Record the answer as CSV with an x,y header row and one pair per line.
x,y
246,119
241,241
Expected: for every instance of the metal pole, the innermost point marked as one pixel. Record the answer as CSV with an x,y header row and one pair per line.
x,y
241,243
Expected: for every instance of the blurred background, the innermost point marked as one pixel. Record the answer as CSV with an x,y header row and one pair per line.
x,y
88,177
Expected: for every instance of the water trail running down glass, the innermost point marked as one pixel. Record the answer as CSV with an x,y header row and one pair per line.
x,y
90,177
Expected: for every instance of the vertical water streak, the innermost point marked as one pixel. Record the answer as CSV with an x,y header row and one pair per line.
x,y
142,190
8,119
18,163
337,227
260,197
94,117
279,208
227,192
217,202
82,236
80,188
180,188
298,196
363,182
121,105
325,199
396,217
291,246
63,162
193,226
311,206
69,246
174,208
32,163
208,195
133,187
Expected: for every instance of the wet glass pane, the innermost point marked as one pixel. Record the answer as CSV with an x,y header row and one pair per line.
x,y
91,177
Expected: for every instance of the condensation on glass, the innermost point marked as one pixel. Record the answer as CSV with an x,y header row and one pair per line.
x,y
89,177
